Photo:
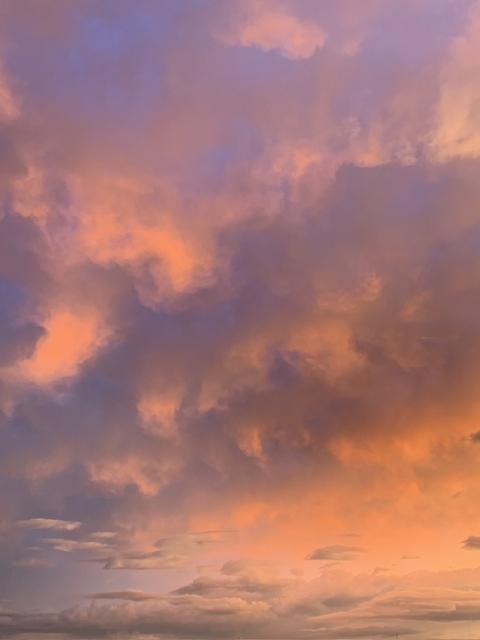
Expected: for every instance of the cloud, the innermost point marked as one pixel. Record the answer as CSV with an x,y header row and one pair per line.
x,y
364,605
133,595
61,544
239,310
147,561
148,617
70,339
335,552
368,631
472,542
48,524
172,552
33,563
103,535
274,26
456,134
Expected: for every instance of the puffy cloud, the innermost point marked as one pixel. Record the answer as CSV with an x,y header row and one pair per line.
x,y
274,26
238,315
388,606
457,112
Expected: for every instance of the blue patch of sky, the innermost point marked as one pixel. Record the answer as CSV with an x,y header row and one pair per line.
x,y
107,64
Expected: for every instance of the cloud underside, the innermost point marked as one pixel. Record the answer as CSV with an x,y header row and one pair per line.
x,y
363,605
472,542
335,552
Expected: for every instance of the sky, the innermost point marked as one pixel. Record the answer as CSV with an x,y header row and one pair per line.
x,y
239,319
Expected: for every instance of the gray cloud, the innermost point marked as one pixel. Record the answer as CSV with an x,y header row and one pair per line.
x,y
336,552
366,632
472,542
133,595
33,563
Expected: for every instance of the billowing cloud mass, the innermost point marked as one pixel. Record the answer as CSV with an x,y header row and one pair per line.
x,y
239,318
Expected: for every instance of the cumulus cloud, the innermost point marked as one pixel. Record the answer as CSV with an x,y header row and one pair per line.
x,y
388,606
239,310
274,26
457,112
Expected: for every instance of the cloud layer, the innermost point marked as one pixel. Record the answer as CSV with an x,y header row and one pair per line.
x,y
239,310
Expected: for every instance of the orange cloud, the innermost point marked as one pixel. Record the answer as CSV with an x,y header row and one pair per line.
x,y
274,26
69,341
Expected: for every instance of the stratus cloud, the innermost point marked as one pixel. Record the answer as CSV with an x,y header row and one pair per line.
x,y
132,595
335,552
472,542
103,535
48,524
152,561
67,546
33,563
172,552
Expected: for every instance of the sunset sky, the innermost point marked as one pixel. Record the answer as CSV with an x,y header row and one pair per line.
x,y
239,319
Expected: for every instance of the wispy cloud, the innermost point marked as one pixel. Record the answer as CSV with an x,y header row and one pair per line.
x,y
48,524
335,552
